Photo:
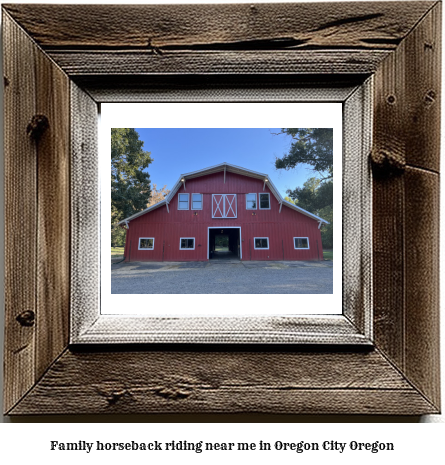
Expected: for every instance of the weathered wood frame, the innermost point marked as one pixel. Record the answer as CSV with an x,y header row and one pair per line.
x,y
78,56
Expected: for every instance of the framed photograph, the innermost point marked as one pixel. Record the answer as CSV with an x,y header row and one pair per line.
x,y
259,280
371,346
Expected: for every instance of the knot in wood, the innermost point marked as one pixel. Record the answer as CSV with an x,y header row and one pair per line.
x,y
430,97
26,318
37,126
386,162
114,397
172,393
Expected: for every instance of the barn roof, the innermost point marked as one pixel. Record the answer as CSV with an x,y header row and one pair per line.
x,y
229,169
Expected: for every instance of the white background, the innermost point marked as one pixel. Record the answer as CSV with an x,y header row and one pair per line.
x,y
219,115
26,443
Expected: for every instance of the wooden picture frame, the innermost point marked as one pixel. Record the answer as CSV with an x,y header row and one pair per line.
x,y
74,57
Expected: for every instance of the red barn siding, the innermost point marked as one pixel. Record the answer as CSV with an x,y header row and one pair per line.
x,y
168,227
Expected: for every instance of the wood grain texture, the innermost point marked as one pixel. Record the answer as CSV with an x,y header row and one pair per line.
x,y
400,376
218,381
85,211
20,212
118,62
216,88
37,217
406,132
388,201
109,329
422,364
407,114
423,91
53,228
357,209
377,25
388,268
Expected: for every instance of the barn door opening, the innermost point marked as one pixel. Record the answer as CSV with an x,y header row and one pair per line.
x,y
224,243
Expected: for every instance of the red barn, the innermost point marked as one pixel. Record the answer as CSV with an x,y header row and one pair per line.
x,y
223,211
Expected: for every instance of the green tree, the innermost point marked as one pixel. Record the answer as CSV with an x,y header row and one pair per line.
x,y
327,239
312,147
157,194
130,184
117,232
316,196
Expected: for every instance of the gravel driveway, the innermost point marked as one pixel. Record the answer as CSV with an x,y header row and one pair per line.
x,y
222,277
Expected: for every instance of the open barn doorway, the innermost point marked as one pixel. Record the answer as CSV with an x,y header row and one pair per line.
x,y
224,243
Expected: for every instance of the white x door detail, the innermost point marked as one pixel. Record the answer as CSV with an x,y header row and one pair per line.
x,y
224,206
229,204
217,206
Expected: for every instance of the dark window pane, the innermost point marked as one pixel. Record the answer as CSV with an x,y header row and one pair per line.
x,y
264,201
301,243
146,243
187,243
261,243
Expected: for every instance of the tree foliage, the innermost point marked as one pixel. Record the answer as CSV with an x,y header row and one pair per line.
x,y
311,147
316,196
327,233
130,184
117,233
157,194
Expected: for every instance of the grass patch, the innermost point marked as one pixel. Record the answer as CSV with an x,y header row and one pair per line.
x,y
328,254
117,252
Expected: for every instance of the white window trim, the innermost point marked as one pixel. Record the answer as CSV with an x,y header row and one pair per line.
x,y
256,203
194,242
188,201
145,248
259,200
202,201
223,200
261,248
302,248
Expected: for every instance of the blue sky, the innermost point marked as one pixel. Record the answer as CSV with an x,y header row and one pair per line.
x,y
178,151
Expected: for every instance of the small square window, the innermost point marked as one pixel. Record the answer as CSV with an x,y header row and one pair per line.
x,y
264,202
183,202
250,201
187,243
301,243
146,243
261,243
196,201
